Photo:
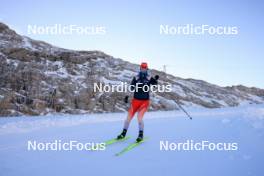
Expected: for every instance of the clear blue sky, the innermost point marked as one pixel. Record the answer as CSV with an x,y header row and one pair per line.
x,y
133,34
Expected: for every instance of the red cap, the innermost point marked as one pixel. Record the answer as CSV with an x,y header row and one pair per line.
x,y
144,65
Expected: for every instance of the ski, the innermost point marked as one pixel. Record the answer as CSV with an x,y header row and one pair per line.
x,y
112,141
130,146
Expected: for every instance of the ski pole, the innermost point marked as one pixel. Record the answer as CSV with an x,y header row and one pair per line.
x,y
184,110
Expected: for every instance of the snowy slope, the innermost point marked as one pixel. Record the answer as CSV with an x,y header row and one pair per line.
x,y
243,125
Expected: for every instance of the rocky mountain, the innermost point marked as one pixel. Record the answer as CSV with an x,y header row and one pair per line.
x,y
37,78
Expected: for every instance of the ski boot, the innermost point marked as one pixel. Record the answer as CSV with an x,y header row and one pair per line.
x,y
122,135
140,136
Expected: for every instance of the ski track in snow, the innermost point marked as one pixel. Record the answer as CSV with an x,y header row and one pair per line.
x,y
27,124
244,125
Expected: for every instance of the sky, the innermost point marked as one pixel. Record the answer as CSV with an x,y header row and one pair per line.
x,y
133,34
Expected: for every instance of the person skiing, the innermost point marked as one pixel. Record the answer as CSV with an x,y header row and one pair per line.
x,y
140,101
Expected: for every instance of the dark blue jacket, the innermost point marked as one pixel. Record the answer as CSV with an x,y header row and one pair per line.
x,y
144,80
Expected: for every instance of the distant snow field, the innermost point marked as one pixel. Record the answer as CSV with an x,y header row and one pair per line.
x,y
243,125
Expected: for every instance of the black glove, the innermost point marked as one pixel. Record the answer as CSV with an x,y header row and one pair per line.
x,y
126,99
156,77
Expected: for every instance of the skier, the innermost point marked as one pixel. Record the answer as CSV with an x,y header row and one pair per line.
x,y
140,101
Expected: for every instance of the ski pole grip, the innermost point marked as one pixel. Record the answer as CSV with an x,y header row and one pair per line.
x,y
126,99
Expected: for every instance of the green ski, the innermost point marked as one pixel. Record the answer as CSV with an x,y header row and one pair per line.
x,y
112,141
130,146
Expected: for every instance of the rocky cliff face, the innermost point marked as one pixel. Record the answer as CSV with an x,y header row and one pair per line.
x,y
38,78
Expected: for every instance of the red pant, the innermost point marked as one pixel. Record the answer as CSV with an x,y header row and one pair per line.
x,y
140,106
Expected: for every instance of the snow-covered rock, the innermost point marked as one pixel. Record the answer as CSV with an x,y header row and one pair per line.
x,y
38,78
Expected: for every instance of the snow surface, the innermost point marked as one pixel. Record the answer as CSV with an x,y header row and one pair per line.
x,y
244,125
27,43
